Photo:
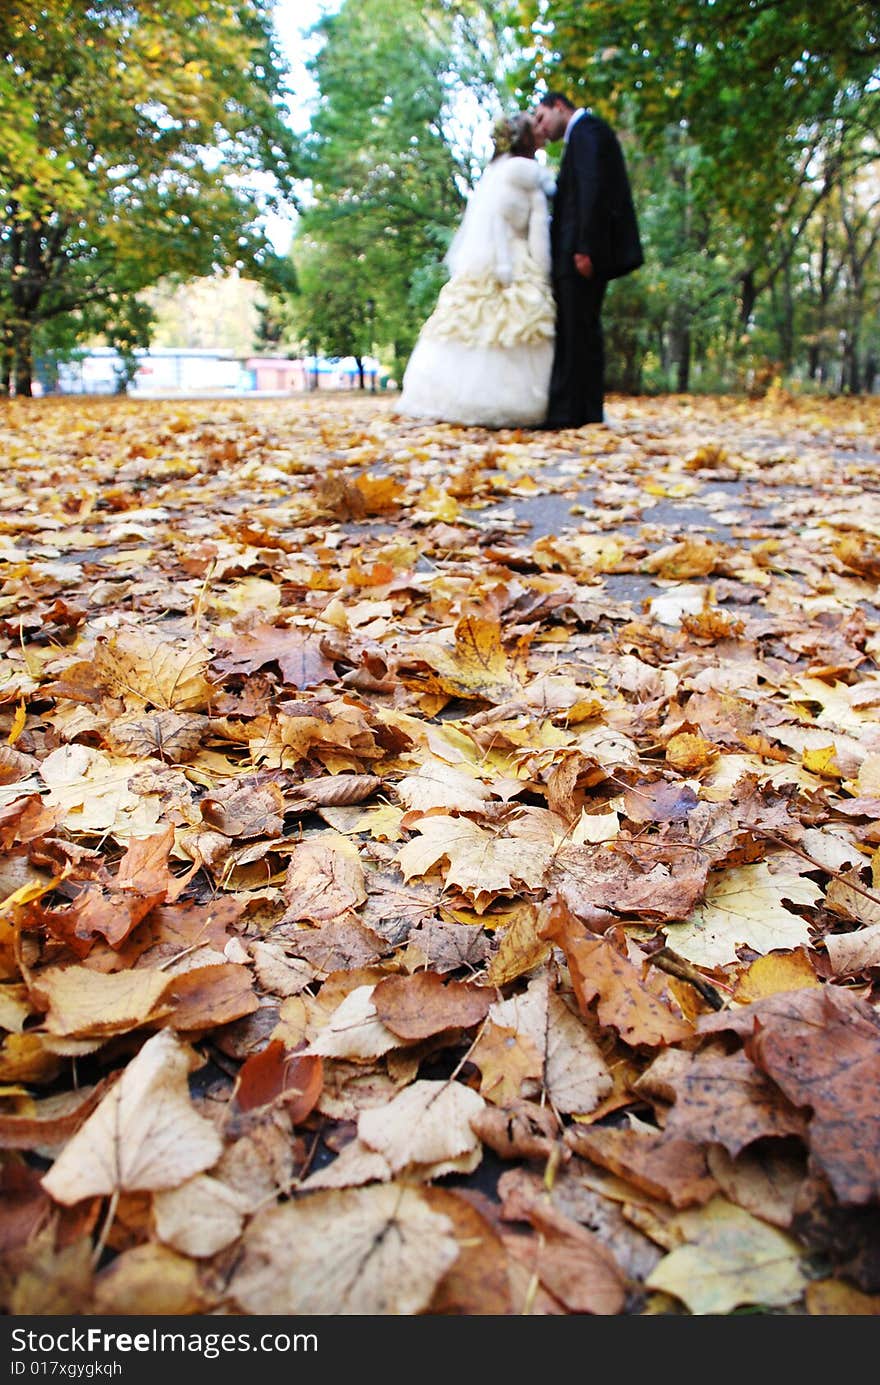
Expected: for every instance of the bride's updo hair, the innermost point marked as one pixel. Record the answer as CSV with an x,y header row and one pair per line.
x,y
513,134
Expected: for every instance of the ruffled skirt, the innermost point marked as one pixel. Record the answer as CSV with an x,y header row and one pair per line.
x,y
484,356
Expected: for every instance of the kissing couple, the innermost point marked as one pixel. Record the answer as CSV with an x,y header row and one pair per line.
x,y
515,340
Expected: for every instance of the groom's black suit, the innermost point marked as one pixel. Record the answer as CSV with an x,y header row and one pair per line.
x,y
593,215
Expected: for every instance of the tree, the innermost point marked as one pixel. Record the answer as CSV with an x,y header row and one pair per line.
x,y
769,101
392,151
134,142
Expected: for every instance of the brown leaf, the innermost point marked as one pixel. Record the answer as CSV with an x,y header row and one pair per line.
x,y
825,1054
727,1101
765,1181
171,736
331,790
522,1130
274,1075
144,867
249,810
298,656
478,1282
49,1123
570,1262
342,945
625,1002
632,879
206,997
324,879
671,1169
415,1007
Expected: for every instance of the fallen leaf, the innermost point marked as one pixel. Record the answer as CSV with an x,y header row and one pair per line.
x,y
324,879
673,1170
415,1007
375,1251
625,1002
427,1123
826,1055
82,1002
200,1217
150,1280
145,1134
745,907
730,1258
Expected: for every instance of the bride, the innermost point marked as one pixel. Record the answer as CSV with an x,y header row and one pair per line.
x,y
484,355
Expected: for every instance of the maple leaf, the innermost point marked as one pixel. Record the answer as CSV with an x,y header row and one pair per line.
x,y
625,1001
745,906
478,665
481,862
145,1134
298,656
506,1059
150,671
167,735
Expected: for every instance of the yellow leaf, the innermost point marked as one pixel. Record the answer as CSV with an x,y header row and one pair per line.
x,y
822,761
731,1258
19,721
779,971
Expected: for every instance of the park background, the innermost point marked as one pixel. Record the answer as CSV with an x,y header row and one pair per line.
x,y
269,182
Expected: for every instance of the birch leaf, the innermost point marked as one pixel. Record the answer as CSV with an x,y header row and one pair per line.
x,y
145,1135
376,1251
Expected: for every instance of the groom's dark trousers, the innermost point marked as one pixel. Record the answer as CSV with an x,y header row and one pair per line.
x,y
593,215
577,382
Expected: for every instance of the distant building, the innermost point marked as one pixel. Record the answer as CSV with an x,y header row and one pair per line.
x,y
168,370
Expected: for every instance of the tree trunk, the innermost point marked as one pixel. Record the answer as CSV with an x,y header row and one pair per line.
x,y
748,297
7,356
23,359
683,366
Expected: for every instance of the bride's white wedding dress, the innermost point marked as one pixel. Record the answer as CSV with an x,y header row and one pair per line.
x,y
484,355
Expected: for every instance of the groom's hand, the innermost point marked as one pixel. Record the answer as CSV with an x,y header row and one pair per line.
x,y
584,266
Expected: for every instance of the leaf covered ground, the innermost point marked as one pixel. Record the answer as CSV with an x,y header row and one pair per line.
x,y
440,868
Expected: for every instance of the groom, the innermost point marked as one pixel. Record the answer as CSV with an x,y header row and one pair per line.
x,y
594,237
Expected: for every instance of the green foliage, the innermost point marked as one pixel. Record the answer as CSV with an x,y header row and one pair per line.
x,y
132,141
745,117
391,155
